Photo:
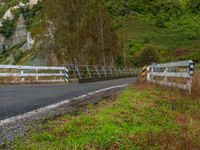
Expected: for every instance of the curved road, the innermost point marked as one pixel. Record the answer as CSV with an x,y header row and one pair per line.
x,y
16,100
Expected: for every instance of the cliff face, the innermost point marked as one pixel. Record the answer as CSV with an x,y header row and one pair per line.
x,y
15,39
70,31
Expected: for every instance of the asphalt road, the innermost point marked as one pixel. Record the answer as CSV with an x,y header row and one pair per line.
x,y
16,100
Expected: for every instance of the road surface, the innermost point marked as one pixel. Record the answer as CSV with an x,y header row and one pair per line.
x,y
16,100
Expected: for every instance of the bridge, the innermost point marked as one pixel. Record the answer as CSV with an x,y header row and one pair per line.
x,y
24,103
20,99
16,100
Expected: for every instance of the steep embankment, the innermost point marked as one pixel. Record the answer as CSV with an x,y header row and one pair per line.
x,y
57,32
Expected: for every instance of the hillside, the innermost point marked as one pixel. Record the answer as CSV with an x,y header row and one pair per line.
x,y
53,33
104,32
173,43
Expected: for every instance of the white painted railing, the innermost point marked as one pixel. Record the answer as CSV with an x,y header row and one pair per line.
x,y
175,74
34,71
15,74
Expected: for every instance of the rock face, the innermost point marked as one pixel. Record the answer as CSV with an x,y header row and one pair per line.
x,y
2,45
20,37
33,2
20,34
8,15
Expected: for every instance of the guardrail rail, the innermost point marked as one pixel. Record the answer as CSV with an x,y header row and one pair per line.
x,y
22,74
174,74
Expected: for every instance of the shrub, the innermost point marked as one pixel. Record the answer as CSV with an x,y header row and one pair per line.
x,y
192,35
194,6
161,19
8,28
147,55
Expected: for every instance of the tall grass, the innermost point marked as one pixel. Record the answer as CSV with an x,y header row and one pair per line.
x,y
196,84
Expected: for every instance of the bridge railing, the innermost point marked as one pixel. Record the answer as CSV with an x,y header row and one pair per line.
x,y
90,71
175,74
15,74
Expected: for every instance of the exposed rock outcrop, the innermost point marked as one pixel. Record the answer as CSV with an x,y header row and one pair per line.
x,y
8,15
20,34
2,45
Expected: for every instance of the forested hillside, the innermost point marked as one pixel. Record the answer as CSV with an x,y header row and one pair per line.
x,y
107,32
170,29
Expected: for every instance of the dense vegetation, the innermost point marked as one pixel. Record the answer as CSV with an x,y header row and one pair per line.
x,y
110,32
83,32
171,26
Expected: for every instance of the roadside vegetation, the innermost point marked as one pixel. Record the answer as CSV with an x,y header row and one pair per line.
x,y
108,32
170,26
142,117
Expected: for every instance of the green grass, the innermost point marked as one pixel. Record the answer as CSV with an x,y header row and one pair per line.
x,y
173,41
138,119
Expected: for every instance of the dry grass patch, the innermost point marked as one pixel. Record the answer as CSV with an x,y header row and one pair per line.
x,y
196,85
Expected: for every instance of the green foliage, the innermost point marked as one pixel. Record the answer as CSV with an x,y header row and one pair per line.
x,y
30,13
178,23
161,10
194,6
147,55
8,28
83,32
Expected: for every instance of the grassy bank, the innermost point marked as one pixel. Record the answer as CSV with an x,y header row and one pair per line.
x,y
150,118
173,43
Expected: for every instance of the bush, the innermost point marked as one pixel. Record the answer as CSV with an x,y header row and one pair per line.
x,y
160,21
8,28
147,55
194,6
192,35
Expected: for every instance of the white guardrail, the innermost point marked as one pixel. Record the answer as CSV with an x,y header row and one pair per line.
x,y
22,74
175,74
34,72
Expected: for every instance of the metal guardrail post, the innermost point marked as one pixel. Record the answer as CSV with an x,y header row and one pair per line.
x,y
22,73
97,71
116,71
191,73
66,74
36,71
165,71
88,71
119,70
148,74
78,72
111,72
104,70
144,73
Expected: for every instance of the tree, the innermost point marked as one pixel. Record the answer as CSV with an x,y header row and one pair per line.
x,y
147,55
83,32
